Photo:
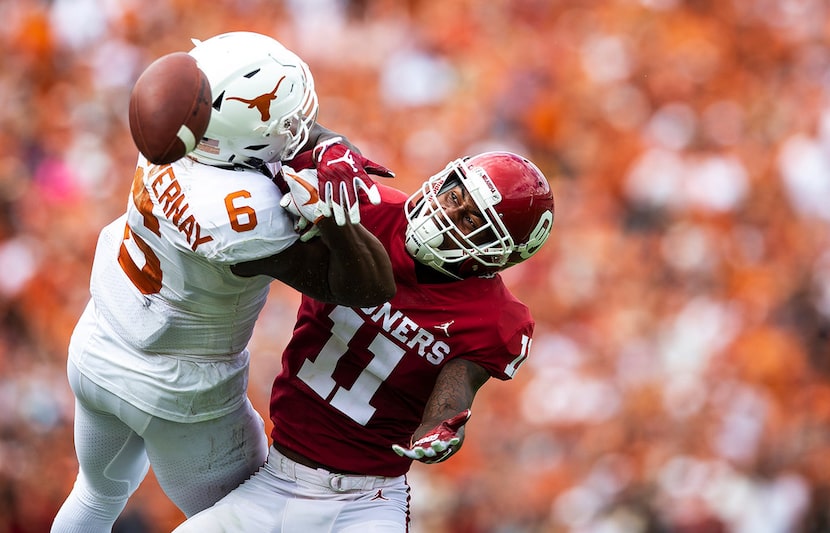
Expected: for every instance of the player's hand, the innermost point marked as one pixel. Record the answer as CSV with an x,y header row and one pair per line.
x,y
303,200
343,173
439,443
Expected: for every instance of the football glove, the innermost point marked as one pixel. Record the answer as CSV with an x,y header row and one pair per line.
x,y
438,444
342,174
303,201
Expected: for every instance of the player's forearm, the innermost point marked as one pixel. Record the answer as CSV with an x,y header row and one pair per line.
x,y
441,433
454,392
359,270
320,133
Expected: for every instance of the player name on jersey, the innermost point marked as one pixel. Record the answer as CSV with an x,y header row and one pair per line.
x,y
404,329
171,198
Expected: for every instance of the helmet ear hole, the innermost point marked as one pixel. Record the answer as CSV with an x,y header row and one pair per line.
x,y
217,103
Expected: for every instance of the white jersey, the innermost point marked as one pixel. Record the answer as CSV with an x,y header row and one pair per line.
x,y
168,323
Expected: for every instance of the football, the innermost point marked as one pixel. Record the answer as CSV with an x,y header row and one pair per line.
x,y
170,107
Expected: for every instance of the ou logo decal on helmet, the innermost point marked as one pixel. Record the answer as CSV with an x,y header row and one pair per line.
x,y
538,236
262,103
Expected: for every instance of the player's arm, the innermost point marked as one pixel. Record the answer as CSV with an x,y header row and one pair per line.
x,y
441,432
345,265
320,134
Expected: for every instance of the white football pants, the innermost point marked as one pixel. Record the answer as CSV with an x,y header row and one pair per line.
x,y
287,497
196,464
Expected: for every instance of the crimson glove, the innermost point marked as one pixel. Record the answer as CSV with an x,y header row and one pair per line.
x,y
437,444
343,173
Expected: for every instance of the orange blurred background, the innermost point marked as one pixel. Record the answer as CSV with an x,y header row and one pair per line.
x,y
679,379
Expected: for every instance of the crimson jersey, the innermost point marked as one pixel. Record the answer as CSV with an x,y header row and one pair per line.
x,y
354,381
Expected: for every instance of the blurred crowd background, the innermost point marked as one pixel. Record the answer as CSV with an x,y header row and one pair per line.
x,y
679,379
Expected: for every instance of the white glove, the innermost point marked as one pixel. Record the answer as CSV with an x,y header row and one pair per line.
x,y
303,201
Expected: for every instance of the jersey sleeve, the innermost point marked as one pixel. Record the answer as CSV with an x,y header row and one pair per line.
x,y
509,345
225,216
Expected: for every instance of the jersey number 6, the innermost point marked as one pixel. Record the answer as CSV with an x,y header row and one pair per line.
x,y
148,278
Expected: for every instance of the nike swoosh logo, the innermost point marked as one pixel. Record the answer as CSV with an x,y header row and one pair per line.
x,y
314,197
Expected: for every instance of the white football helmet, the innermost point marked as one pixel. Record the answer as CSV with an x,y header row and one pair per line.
x,y
514,200
264,103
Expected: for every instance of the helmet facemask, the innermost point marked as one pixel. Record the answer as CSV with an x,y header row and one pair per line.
x,y
296,127
432,237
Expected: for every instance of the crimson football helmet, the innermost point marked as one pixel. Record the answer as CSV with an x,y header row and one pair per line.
x,y
514,200
264,100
